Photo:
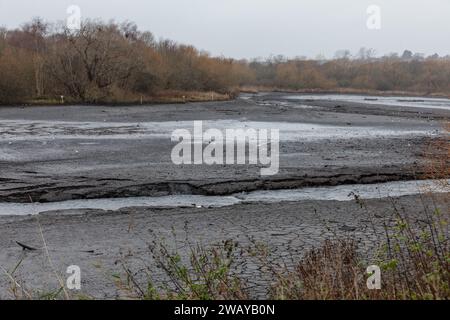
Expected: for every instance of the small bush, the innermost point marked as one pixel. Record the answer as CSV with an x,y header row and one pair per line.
x,y
207,276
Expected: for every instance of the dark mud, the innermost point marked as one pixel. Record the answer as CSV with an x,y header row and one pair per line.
x,y
80,161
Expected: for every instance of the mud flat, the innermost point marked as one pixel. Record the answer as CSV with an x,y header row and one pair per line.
x,y
49,155
100,241
64,153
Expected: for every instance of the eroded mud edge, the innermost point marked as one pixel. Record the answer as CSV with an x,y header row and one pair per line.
x,y
113,188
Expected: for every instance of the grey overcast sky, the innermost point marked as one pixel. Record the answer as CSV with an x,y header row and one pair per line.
x,y
259,28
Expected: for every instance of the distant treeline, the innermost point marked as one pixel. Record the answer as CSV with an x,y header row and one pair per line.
x,y
112,62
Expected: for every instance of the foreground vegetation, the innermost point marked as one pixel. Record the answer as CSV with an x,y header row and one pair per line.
x,y
112,62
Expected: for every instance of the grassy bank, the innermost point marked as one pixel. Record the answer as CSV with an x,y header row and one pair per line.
x,y
163,97
175,97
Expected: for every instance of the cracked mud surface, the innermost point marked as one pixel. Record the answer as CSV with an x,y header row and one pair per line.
x,y
99,241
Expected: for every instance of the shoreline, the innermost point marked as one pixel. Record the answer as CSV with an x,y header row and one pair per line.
x,y
162,99
346,92
220,97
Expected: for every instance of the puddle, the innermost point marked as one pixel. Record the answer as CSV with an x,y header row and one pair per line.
x,y
348,192
414,102
338,193
174,201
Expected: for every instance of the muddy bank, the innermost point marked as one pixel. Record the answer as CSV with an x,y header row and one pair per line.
x,y
112,188
99,242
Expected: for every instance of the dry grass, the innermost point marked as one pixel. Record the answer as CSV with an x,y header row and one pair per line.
x,y
413,257
414,261
172,96
438,156
329,272
161,97
207,276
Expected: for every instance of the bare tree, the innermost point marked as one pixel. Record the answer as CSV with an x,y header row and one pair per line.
x,y
91,61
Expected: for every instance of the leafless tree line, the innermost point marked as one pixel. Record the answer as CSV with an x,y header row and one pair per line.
x,y
103,62
408,72
113,62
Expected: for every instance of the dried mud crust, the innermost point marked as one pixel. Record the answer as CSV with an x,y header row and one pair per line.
x,y
100,241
